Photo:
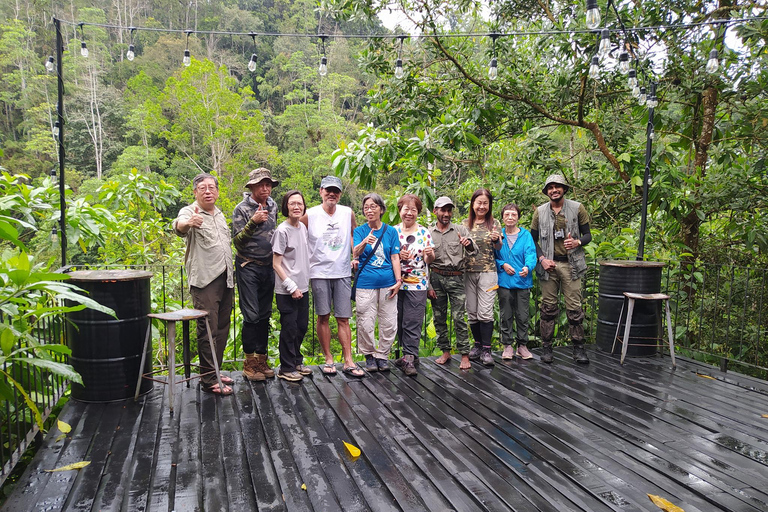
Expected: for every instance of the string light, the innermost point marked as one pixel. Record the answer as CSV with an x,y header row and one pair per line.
x,y
53,175
49,64
56,130
632,79
252,62
399,62
323,69
83,46
594,68
493,70
636,92
187,60
593,14
713,63
605,43
131,54
54,235
624,62
643,96
652,101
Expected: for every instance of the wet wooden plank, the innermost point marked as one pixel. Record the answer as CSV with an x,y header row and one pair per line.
x,y
212,477
180,487
240,493
145,449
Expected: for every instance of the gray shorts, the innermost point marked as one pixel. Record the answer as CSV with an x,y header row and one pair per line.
x,y
333,292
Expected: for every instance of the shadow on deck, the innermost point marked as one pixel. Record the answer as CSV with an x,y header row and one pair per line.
x,y
522,436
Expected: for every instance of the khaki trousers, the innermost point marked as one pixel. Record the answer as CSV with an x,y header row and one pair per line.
x,y
372,305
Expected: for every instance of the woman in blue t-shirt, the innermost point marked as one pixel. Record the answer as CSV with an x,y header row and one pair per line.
x,y
377,247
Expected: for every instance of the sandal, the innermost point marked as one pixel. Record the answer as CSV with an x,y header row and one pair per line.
x,y
227,381
217,391
353,371
329,369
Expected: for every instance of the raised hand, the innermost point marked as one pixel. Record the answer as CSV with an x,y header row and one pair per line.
x,y
260,215
196,220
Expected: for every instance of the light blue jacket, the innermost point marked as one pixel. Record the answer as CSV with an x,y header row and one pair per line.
x,y
522,254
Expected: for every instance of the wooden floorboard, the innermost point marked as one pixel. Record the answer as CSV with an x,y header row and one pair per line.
x,y
521,436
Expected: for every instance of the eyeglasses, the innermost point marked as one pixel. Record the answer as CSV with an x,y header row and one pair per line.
x,y
370,207
295,205
206,188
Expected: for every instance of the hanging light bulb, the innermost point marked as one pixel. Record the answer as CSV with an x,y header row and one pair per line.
x,y
49,64
53,175
632,80
594,68
493,71
399,68
252,63
54,235
643,96
652,101
323,69
624,63
713,63
84,49
131,54
187,60
593,14
605,43
56,130
636,92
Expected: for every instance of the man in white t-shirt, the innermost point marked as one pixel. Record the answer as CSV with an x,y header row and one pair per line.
x,y
329,228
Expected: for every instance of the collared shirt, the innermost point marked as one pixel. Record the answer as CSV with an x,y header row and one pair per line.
x,y
449,253
209,247
254,241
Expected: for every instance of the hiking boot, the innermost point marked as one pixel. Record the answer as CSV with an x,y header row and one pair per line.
x,y
383,365
250,368
485,357
304,370
370,364
293,376
523,352
262,365
509,353
580,354
546,354
408,363
474,354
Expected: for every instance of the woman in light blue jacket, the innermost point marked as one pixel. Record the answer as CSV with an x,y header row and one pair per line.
x,y
514,263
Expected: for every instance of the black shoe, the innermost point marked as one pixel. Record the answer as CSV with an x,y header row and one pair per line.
x,y
383,365
485,357
474,354
546,354
580,354
370,364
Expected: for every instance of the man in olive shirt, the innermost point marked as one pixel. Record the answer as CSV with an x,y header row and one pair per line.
x,y
253,223
560,229
446,281
208,262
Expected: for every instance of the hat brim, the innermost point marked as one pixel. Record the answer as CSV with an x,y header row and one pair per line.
x,y
274,182
544,190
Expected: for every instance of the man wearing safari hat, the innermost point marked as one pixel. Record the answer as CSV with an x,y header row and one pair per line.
x,y
560,229
253,223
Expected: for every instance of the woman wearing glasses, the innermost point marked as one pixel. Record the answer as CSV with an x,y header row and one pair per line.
x,y
377,282
416,252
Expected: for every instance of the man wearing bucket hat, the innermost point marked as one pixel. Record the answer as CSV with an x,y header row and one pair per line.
x,y
253,223
560,228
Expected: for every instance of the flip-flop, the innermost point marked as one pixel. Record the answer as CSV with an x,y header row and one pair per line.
x,y
215,390
353,371
329,369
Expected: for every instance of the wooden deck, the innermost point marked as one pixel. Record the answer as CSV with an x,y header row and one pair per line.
x,y
523,436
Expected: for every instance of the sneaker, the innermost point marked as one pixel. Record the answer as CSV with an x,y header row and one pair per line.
x,y
474,354
293,376
546,354
370,364
509,353
304,370
485,357
408,364
383,365
580,354
523,352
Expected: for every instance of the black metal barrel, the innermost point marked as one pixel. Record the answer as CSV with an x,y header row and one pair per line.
x,y
617,277
106,351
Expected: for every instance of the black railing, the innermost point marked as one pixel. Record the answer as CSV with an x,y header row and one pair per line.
x,y
720,316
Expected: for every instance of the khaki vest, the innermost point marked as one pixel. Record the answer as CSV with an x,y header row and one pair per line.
x,y
576,257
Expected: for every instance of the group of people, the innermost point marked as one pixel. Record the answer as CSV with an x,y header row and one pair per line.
x,y
389,272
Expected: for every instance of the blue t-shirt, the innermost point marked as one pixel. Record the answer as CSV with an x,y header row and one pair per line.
x,y
378,272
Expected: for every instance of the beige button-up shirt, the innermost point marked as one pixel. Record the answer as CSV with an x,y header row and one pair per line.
x,y
209,248
450,255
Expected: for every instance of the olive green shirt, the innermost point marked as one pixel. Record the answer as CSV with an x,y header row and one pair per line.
x,y
560,225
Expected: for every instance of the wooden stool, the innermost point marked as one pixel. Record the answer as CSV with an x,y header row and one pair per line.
x,y
170,318
630,298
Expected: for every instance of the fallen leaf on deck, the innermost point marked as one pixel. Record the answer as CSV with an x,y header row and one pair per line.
x,y
764,416
705,376
664,505
76,465
303,487
64,427
353,450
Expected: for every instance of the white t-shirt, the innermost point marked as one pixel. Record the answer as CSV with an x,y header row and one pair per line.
x,y
291,242
330,242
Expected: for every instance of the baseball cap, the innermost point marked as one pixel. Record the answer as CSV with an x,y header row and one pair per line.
x,y
443,201
331,182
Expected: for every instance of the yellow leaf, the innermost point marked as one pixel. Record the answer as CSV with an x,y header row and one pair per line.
x,y
764,416
705,376
76,465
303,487
64,427
353,450
664,505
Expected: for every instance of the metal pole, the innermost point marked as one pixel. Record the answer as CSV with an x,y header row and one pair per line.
x,y
647,176
60,118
